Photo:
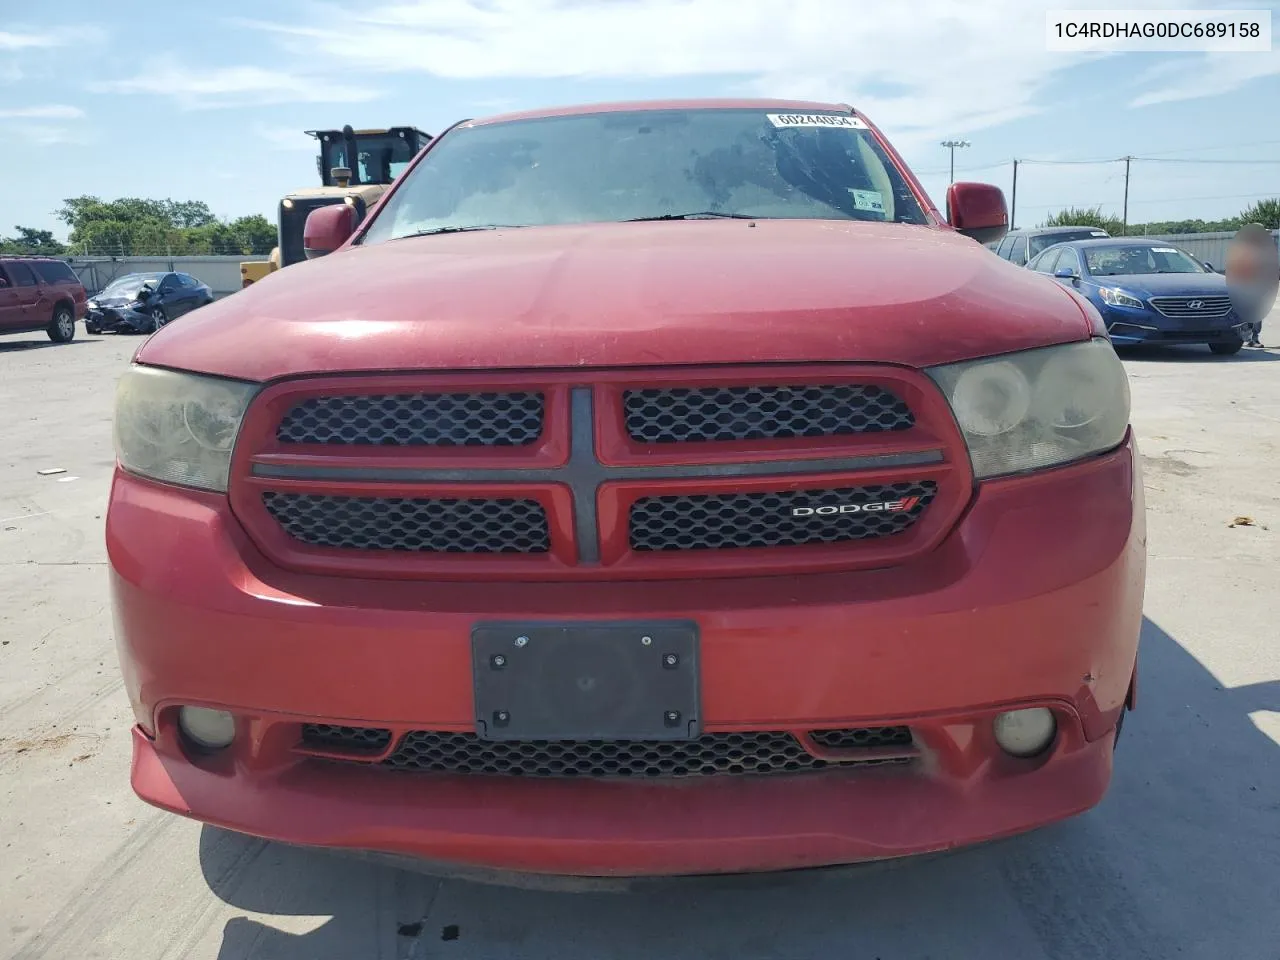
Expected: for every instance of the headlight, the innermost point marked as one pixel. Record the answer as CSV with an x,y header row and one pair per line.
x,y
179,427
1039,408
1118,298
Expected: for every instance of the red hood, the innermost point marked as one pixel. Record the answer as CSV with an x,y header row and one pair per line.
x,y
707,292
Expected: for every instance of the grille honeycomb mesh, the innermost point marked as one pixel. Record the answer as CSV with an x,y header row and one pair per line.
x,y
328,736
412,525
710,754
737,520
416,419
693,414
862,737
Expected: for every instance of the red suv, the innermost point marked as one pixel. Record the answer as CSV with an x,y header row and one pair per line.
x,y
40,293
688,495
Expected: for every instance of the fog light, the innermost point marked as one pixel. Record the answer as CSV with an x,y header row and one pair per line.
x,y
1024,733
211,729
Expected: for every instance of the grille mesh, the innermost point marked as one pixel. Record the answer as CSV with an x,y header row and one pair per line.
x,y
412,525
328,736
862,737
416,419
710,754
1179,308
677,414
719,521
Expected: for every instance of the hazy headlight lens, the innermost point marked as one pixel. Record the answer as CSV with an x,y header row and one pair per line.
x,y
1039,408
179,427
991,399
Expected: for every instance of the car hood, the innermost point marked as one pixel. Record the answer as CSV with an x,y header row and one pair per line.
x,y
113,301
1168,284
629,294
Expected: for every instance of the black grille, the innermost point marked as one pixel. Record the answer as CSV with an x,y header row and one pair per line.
x,y
717,521
712,753
1180,308
328,736
862,738
416,419
678,414
412,525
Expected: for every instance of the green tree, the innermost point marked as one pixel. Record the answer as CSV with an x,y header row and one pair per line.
x,y
135,225
1265,212
255,233
31,240
1085,217
1161,227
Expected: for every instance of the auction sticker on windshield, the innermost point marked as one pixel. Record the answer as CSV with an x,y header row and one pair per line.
x,y
815,120
868,200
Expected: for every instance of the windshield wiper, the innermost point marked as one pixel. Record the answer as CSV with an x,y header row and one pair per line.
x,y
699,215
436,231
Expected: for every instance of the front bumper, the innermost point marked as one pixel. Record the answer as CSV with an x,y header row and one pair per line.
x,y
116,318
1132,326
1035,598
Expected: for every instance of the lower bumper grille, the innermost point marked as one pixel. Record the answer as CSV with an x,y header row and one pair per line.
x,y
709,755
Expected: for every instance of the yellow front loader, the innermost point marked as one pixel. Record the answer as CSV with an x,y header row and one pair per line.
x,y
356,167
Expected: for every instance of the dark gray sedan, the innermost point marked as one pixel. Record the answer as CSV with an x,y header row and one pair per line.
x,y
144,302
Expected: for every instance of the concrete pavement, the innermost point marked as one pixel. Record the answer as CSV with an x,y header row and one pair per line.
x,y
1181,859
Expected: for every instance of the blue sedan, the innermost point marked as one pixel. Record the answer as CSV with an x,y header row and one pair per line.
x,y
1148,292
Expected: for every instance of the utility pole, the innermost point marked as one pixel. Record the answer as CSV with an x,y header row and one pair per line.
x,y
1013,205
951,145
1125,230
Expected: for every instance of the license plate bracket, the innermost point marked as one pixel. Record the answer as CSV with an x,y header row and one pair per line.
x,y
586,680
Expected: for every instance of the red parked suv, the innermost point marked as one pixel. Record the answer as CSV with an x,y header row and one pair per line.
x,y
687,495
40,293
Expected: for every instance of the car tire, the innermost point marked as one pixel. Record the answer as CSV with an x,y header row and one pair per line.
x,y
62,326
1226,349
158,319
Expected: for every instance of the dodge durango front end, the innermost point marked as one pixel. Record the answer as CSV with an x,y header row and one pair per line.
x,y
686,495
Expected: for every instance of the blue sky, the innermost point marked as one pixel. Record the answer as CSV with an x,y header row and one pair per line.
x,y
208,101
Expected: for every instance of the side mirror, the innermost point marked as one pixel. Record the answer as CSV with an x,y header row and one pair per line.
x,y
978,210
144,292
1209,266
1066,273
327,229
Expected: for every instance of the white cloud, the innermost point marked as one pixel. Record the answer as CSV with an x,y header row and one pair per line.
x,y
52,111
194,88
11,40
1191,77
954,67
47,38
285,138
44,135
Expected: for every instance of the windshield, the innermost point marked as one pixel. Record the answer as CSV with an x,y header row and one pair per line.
x,y
640,165
1047,240
379,158
1139,258
129,286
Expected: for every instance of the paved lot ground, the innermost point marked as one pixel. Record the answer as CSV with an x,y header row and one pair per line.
x,y
1181,859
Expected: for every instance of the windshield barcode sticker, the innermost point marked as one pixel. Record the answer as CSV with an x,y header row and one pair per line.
x,y
815,120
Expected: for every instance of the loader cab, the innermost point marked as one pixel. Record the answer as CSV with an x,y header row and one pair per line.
x,y
372,156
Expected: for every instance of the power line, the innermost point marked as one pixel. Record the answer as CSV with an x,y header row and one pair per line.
x,y
1180,160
